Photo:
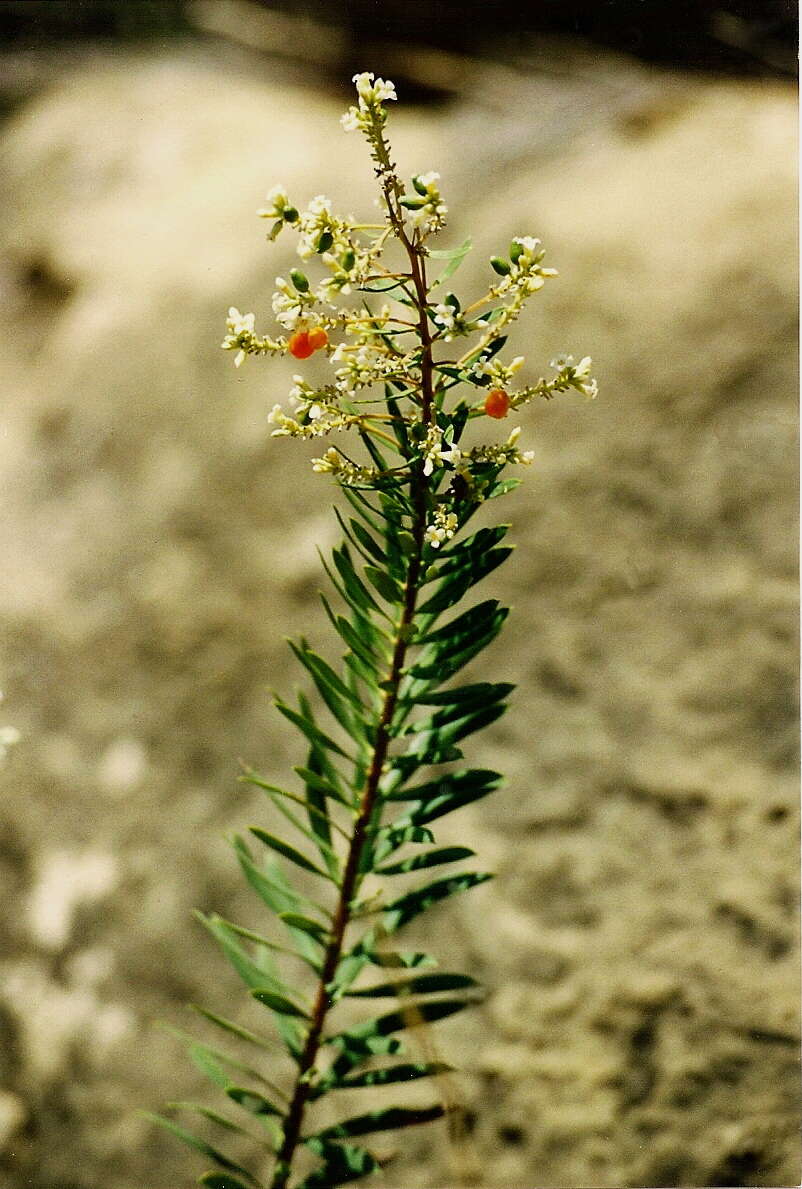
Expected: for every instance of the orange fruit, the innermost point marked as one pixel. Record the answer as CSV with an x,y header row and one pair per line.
x,y
318,338
299,345
497,403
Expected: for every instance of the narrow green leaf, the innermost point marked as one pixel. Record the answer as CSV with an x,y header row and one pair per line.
x,y
319,782
251,974
216,1180
313,928
390,838
458,579
255,1104
393,1073
342,1163
237,1030
212,1116
307,727
357,594
400,959
383,1026
432,858
279,1003
388,1119
199,1145
387,587
403,910
422,984
288,852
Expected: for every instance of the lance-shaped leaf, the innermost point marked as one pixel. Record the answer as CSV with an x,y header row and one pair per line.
x,y
452,703
288,852
192,1141
390,838
393,1073
214,1117
250,973
432,858
401,911
234,1029
436,737
341,1163
217,1180
354,591
341,701
422,984
385,584
454,256
314,929
452,646
280,1004
272,888
393,1021
251,1101
457,580
438,797
307,727
388,1119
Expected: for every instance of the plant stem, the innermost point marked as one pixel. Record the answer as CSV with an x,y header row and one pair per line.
x,y
342,913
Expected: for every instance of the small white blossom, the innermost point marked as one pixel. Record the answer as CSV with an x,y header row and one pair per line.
x,y
442,528
242,338
372,90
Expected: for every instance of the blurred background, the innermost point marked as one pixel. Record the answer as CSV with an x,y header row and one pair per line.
x,y
640,942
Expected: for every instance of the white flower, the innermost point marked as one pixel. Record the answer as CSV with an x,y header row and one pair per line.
x,y
372,92
277,202
529,244
351,120
561,362
441,529
445,316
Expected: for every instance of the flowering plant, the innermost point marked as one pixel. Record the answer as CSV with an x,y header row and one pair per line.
x,y
403,402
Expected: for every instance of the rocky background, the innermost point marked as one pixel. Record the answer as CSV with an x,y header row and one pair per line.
x,y
640,942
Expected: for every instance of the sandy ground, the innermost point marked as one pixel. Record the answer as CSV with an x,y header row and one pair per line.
x,y
639,943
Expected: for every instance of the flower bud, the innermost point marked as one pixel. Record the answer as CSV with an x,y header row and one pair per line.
x,y
500,266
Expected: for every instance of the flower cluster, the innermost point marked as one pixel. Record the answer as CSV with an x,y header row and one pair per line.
x,y
426,206
242,338
436,450
441,528
384,370
503,454
348,473
372,93
280,209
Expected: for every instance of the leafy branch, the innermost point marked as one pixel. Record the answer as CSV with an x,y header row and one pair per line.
x,y
380,768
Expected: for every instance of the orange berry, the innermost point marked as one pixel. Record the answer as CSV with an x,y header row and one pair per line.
x,y
299,345
497,403
318,338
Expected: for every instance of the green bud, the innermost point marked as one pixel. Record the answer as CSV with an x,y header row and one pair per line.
x,y
418,431
324,241
516,251
453,301
412,204
500,266
419,186
299,280
275,229
290,214
348,259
